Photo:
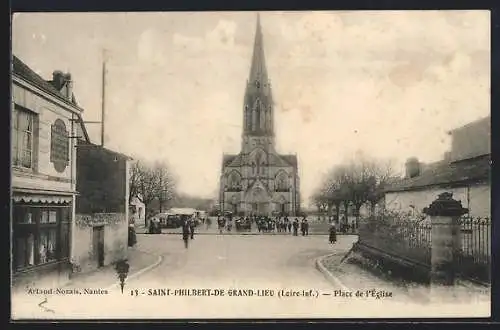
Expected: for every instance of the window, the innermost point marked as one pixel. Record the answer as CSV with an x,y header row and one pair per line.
x,y
281,182
41,235
59,146
259,163
248,118
22,137
234,182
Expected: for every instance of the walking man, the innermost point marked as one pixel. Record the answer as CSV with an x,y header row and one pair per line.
x,y
191,227
185,232
333,233
306,227
295,227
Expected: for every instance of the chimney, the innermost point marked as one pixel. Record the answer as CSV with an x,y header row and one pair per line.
x,y
412,167
69,87
58,79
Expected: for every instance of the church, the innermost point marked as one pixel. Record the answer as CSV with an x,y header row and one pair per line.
x,y
259,180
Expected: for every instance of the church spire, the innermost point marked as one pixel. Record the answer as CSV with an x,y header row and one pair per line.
x,y
258,119
258,70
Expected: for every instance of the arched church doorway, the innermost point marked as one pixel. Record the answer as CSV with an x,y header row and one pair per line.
x,y
260,202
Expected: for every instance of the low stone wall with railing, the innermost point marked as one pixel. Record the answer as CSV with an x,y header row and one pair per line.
x,y
408,241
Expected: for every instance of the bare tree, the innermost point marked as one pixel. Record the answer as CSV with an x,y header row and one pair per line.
x,y
366,178
152,182
355,183
165,189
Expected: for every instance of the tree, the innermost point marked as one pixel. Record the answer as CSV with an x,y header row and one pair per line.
x,y
366,177
165,188
355,183
382,173
319,199
153,182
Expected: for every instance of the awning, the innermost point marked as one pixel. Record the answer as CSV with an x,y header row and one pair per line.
x,y
48,199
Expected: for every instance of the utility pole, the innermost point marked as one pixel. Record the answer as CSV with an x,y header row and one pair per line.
x,y
103,96
161,191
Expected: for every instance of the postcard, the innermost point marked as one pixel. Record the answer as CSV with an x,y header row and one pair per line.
x,y
250,165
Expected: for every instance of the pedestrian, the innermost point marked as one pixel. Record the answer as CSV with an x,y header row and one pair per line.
x,y
185,232
306,227
295,227
132,238
192,225
221,224
303,227
229,225
152,226
333,233
289,226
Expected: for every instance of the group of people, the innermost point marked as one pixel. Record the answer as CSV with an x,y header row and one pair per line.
x,y
264,224
282,225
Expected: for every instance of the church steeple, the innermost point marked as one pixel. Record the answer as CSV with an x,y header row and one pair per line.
x,y
258,104
258,70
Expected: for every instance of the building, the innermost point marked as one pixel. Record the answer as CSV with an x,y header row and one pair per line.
x,y
465,171
102,206
43,176
137,211
259,180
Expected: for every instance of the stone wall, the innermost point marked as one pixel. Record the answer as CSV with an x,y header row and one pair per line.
x,y
115,240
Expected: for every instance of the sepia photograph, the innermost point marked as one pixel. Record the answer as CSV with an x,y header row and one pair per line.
x,y
250,165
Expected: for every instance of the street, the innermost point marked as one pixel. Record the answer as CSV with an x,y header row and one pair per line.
x,y
225,262
260,276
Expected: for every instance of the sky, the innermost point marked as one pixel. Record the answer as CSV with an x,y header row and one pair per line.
x,y
390,84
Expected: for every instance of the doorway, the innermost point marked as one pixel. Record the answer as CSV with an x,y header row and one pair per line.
x,y
98,244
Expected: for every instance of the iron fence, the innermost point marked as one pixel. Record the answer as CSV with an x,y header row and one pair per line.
x,y
411,239
400,236
474,258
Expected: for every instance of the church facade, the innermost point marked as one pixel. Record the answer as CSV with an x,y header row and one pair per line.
x,y
259,180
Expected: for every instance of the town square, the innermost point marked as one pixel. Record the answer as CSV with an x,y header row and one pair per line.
x,y
253,165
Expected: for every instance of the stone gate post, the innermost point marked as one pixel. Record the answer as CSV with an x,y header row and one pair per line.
x,y
444,213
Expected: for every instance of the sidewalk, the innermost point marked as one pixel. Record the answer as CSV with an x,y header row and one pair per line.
x,y
106,276
351,276
64,302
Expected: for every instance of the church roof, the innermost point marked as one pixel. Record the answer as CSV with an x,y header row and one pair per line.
x,y
236,161
273,160
227,159
291,159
